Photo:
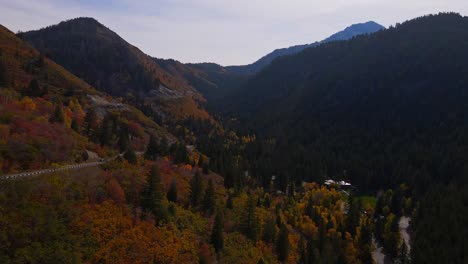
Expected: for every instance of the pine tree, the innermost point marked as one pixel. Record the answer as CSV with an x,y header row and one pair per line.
x,y
3,72
57,116
282,244
249,221
181,155
90,120
229,203
74,125
217,233
209,200
130,156
269,231
153,197
172,192
196,190
123,137
106,131
164,147
152,151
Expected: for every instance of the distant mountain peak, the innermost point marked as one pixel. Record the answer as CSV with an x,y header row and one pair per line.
x,y
355,30
345,34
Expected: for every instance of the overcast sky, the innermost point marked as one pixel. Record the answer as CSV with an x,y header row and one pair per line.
x,y
228,32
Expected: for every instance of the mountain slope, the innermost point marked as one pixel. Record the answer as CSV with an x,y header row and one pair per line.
x,y
347,33
45,112
105,60
210,79
364,104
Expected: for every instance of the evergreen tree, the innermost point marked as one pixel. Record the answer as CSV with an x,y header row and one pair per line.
x,y
269,231
130,156
354,215
209,200
181,155
172,192
74,125
282,244
153,197
164,147
229,203
90,120
106,131
249,225
3,72
123,137
202,163
217,233
152,150
196,190
57,116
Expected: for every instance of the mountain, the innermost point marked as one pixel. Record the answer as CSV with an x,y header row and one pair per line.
x,y
210,79
112,65
356,105
347,33
45,113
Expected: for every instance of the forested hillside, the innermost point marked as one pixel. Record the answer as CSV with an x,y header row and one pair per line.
x,y
379,110
105,60
315,159
345,34
48,116
383,107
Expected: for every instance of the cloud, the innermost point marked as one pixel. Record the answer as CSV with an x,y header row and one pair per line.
x,y
226,32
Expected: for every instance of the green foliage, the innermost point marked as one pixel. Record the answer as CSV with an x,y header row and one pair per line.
x,y
153,198
209,200
3,72
152,150
217,237
130,156
249,223
172,192
75,126
57,116
269,231
282,244
196,190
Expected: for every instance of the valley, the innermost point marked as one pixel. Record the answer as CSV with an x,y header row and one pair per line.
x,y
110,155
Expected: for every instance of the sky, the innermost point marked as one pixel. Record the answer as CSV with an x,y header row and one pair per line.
x,y
228,32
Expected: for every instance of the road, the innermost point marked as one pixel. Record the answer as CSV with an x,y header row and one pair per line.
x,y
404,225
63,168
45,171
378,253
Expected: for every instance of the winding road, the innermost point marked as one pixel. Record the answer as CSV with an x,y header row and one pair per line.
x,y
45,171
63,168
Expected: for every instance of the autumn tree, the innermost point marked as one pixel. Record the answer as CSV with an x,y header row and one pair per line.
x,y
209,200
172,192
196,190
217,238
153,197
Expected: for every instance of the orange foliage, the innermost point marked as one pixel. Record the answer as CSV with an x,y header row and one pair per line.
x,y
146,243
